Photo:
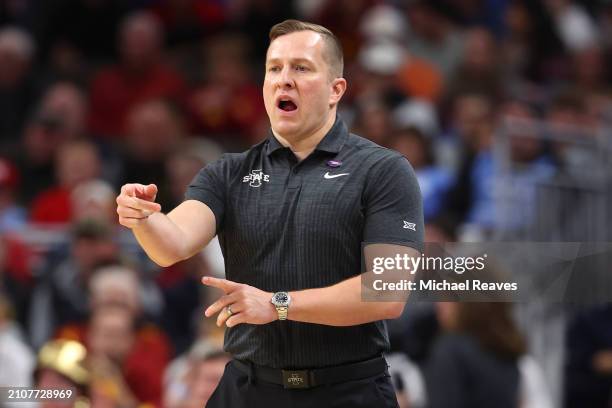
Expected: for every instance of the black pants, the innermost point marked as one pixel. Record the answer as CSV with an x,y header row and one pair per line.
x,y
237,390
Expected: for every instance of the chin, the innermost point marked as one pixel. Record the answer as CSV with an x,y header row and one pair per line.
x,y
285,130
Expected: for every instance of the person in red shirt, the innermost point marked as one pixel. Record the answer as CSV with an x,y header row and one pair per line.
x,y
138,77
228,104
123,344
76,162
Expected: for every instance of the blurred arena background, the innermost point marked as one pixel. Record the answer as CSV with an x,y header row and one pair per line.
x,y
503,107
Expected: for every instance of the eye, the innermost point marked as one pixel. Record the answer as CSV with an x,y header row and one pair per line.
x,y
301,68
274,68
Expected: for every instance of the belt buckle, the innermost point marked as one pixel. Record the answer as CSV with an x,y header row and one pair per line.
x,y
296,379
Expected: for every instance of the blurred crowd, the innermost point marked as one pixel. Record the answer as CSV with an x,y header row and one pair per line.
x,y
503,107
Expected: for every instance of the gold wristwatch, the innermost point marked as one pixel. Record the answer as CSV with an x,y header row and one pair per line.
x,y
281,301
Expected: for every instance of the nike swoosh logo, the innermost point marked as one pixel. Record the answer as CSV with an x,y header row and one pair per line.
x,y
331,176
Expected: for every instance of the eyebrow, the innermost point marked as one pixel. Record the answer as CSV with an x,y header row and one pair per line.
x,y
292,60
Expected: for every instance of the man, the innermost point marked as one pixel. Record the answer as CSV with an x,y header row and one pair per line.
x,y
291,214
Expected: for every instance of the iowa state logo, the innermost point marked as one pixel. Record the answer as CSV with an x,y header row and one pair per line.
x,y
256,178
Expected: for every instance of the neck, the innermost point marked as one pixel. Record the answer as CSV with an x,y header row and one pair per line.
x,y
303,146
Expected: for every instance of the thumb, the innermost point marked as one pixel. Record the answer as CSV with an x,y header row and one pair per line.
x,y
150,191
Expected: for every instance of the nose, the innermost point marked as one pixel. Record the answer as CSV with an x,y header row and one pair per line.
x,y
285,79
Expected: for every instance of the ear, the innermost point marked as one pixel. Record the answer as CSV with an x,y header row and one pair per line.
x,y
338,87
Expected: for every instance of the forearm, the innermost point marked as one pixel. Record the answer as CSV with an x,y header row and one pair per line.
x,y
182,233
161,239
339,305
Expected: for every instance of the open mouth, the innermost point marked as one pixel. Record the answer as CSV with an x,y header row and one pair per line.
x,y
287,105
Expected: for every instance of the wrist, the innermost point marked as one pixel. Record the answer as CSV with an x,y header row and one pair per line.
x,y
144,224
271,309
281,302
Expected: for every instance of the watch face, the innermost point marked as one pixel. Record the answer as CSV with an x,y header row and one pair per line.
x,y
281,298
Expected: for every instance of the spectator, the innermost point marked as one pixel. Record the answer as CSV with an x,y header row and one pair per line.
x,y
60,295
475,362
77,161
18,88
533,51
16,359
12,215
441,229
590,74
472,199
420,114
110,337
191,379
435,182
16,281
432,35
373,119
115,284
343,18
568,121
588,367
131,356
376,72
182,297
35,160
140,76
62,365
204,377
141,353
93,200
228,103
479,70
516,44
420,79
67,103
527,169
154,129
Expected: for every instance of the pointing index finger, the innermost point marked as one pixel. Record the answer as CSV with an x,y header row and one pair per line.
x,y
225,285
129,190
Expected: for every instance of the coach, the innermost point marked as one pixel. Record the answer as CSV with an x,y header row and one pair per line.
x,y
292,213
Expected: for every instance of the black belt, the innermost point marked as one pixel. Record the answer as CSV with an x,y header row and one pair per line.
x,y
317,376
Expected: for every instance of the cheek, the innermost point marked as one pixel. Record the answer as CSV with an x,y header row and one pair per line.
x,y
317,97
268,96
323,102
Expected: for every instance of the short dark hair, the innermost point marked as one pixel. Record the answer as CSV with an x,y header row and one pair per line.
x,y
333,54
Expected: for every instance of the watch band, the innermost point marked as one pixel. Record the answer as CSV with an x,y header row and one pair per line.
x,y
282,312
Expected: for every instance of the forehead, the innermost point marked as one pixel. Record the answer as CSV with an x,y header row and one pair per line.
x,y
297,45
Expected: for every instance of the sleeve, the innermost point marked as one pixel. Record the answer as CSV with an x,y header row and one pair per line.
x,y
209,186
393,204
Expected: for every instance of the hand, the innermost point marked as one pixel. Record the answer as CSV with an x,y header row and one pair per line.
x,y
135,203
248,304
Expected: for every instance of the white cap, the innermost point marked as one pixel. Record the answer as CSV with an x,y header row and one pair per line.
x,y
417,113
383,22
384,57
